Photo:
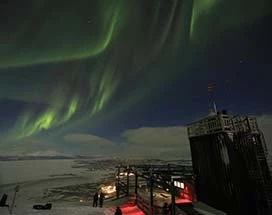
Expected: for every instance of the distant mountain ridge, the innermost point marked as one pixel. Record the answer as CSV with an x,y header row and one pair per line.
x,y
30,157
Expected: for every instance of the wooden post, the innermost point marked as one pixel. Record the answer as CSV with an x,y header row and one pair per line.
x,y
151,192
173,202
118,183
128,180
136,186
13,199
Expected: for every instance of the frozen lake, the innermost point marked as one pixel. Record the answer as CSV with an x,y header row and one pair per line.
x,y
31,170
68,184
56,181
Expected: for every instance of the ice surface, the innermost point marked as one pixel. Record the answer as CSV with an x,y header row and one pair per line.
x,y
58,210
69,185
31,170
207,210
66,184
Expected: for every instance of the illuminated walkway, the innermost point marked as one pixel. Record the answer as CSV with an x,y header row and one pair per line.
x,y
128,210
131,209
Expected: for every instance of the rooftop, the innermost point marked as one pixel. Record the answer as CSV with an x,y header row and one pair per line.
x,y
222,122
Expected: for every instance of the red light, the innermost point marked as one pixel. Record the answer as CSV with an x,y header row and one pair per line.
x,y
179,201
131,210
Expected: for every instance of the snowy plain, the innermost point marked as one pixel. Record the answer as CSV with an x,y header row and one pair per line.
x,y
67,184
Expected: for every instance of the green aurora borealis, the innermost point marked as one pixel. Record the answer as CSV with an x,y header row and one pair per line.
x,y
95,49
53,32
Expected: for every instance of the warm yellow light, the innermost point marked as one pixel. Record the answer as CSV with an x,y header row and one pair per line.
x,y
109,189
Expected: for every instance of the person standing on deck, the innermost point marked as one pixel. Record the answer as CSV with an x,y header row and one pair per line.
x,y
118,211
101,199
95,199
165,209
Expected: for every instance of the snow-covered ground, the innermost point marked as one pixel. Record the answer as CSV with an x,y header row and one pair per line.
x,y
67,184
58,209
33,170
207,210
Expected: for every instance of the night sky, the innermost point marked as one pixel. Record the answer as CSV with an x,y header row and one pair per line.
x,y
124,77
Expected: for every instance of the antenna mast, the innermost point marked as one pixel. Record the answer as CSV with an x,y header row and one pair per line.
x,y
210,91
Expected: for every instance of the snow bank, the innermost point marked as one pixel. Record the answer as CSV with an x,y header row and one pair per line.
x,y
58,210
